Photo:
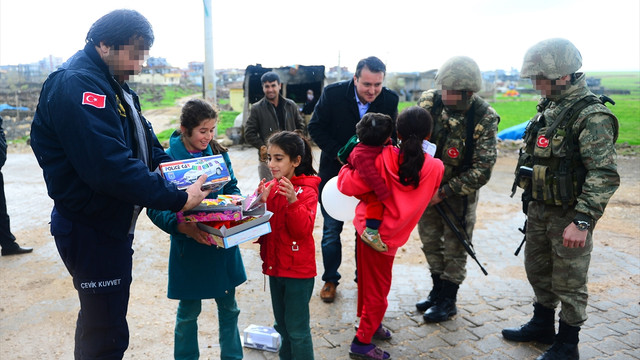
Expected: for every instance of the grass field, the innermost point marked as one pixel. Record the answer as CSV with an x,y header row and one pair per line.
x,y
162,96
512,111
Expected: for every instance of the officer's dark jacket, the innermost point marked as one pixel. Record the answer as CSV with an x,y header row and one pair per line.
x,y
84,146
334,121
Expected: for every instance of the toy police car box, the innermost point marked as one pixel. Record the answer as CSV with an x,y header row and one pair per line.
x,y
185,172
226,234
261,338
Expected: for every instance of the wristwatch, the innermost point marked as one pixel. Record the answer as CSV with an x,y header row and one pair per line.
x,y
582,225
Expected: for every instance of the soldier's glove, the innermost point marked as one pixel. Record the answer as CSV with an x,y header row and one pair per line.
x,y
262,153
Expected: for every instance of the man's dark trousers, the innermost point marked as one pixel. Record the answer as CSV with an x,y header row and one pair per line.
x,y
100,265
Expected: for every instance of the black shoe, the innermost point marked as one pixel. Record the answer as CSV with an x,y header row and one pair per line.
x,y
565,346
539,328
561,351
424,305
445,306
15,250
443,310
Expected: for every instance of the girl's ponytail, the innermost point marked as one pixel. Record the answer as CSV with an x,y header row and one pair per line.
x,y
306,165
414,125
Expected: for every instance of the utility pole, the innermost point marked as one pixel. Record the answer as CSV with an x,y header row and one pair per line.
x,y
209,83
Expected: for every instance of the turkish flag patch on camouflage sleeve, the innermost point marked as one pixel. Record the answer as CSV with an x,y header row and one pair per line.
x,y
93,99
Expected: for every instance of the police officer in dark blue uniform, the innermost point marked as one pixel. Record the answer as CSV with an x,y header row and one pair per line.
x,y
98,155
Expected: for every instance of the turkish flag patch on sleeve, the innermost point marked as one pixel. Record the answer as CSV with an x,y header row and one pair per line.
x,y
93,99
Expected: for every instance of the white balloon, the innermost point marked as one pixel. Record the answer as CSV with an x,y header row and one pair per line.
x,y
338,205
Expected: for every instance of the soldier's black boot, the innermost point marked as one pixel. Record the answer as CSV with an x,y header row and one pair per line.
x,y
565,347
445,306
424,305
539,328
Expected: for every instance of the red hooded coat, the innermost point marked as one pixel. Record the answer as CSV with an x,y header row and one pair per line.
x,y
404,207
289,250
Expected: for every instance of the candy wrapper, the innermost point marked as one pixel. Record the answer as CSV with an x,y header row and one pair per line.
x,y
223,208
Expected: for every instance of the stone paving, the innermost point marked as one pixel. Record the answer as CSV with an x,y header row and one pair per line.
x,y
486,304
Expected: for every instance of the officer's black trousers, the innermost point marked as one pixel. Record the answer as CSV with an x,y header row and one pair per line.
x,y
101,269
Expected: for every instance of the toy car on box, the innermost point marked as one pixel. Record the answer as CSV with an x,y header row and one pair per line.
x,y
185,172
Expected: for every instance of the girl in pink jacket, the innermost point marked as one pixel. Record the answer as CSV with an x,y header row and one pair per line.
x,y
412,177
288,252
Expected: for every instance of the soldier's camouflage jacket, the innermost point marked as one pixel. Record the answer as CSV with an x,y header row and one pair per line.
x,y
449,134
591,165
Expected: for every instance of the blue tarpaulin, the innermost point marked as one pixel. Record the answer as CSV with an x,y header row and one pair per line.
x,y
4,107
513,133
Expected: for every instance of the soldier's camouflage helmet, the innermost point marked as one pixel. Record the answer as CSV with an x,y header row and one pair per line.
x,y
459,73
551,58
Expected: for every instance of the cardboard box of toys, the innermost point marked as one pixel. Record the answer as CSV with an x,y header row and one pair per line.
x,y
261,338
254,224
185,172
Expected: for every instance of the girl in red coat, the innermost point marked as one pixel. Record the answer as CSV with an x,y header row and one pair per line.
x,y
412,177
288,252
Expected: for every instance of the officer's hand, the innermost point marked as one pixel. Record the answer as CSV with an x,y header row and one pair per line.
x,y
574,238
191,230
435,199
196,194
263,153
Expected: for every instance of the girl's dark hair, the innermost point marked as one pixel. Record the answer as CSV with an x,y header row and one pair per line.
x,y
374,129
193,112
119,27
293,144
414,125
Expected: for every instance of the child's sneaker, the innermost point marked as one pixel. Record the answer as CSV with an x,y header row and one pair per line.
x,y
369,351
373,240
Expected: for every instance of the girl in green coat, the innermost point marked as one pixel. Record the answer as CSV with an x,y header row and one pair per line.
x,y
198,270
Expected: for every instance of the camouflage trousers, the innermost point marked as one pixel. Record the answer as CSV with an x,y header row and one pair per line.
x,y
444,252
556,273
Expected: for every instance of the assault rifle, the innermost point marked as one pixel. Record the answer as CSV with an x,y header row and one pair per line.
x,y
462,237
523,230
523,172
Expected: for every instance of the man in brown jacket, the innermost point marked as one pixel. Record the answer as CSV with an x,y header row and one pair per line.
x,y
270,114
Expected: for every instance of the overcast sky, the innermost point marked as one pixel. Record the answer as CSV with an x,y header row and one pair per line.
x,y
407,35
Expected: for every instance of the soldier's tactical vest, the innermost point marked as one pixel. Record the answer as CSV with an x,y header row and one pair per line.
x,y
552,151
455,141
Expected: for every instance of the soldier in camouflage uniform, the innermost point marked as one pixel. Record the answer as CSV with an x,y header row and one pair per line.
x,y
569,155
456,111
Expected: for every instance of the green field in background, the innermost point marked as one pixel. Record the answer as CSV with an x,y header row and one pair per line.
x,y
513,111
162,97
